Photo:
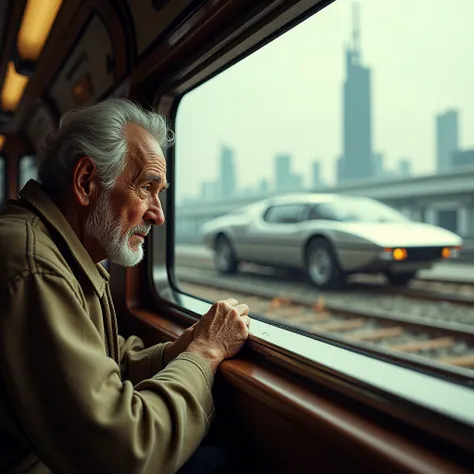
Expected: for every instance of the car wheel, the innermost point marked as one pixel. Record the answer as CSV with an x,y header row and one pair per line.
x,y
400,279
224,256
321,264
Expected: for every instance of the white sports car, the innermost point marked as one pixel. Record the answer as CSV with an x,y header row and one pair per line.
x,y
329,236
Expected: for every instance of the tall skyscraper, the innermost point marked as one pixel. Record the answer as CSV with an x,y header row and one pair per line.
x,y
404,167
446,139
378,165
296,182
263,186
227,174
286,181
463,158
340,169
357,136
283,173
316,175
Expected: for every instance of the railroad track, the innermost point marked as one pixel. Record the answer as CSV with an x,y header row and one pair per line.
x,y
445,347
427,290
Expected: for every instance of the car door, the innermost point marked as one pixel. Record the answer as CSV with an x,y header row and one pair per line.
x,y
275,238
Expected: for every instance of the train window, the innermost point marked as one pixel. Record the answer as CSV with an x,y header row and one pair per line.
x,y
303,119
28,169
284,214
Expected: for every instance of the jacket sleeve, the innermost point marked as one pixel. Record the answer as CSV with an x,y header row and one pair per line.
x,y
137,363
77,413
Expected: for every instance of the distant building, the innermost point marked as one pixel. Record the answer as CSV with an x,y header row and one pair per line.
x,y
296,182
227,174
463,158
356,161
283,173
340,169
316,174
404,167
286,181
263,186
209,191
446,139
378,165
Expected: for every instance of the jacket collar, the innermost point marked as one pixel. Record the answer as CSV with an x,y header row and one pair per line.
x,y
34,194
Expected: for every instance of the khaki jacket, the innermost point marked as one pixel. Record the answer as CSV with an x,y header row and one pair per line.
x,y
74,396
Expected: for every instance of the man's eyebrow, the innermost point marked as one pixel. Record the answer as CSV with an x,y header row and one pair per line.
x,y
153,177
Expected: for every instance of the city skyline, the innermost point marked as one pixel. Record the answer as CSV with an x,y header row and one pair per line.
x,y
413,81
357,160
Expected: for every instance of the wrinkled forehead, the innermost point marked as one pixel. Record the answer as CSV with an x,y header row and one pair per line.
x,y
144,153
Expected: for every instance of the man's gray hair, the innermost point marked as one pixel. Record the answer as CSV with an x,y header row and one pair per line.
x,y
97,131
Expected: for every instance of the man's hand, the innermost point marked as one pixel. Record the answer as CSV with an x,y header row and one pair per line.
x,y
179,345
221,332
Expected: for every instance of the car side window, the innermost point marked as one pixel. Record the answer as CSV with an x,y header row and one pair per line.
x,y
284,214
321,211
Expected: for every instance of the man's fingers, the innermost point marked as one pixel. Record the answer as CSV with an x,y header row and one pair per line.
x,y
231,301
246,320
242,309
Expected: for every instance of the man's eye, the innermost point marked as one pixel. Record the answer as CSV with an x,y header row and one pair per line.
x,y
147,187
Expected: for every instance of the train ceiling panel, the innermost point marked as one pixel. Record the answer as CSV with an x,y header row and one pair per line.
x,y
151,18
39,124
89,72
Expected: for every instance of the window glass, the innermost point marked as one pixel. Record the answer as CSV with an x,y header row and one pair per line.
x,y
288,214
28,169
364,112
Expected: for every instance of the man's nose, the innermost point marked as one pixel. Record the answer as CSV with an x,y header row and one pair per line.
x,y
154,214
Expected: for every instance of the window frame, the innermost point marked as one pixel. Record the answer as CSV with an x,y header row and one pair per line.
x,y
327,362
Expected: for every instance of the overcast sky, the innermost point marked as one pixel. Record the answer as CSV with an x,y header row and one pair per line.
x,y
287,97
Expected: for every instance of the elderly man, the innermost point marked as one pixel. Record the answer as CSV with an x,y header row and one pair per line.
x,y
75,397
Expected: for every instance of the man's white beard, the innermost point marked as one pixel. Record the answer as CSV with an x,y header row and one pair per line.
x,y
103,226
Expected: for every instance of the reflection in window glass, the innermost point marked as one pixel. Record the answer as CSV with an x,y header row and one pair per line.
x,y
28,169
361,115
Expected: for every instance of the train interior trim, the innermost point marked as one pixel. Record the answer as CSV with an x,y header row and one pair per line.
x,y
298,398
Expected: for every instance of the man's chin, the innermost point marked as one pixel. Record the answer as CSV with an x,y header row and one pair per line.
x,y
130,258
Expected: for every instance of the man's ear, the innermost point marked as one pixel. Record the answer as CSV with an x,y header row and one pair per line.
x,y
85,180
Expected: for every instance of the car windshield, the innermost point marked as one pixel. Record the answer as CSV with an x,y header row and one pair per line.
x,y
356,210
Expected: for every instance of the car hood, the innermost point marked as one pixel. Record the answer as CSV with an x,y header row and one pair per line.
x,y
402,234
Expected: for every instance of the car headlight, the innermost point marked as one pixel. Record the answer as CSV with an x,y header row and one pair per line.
x,y
450,252
398,254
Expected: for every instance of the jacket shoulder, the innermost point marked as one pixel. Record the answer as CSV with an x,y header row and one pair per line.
x,y
27,247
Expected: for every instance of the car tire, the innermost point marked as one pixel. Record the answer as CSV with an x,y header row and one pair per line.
x,y
224,256
400,279
322,266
